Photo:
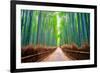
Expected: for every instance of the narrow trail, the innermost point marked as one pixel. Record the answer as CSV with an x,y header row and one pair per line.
x,y
58,55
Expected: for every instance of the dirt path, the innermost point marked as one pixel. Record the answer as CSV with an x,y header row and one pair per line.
x,y
58,55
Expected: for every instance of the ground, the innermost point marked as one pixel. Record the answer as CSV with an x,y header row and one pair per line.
x,y
58,55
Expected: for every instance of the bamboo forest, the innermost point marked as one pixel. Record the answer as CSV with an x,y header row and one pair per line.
x,y
43,32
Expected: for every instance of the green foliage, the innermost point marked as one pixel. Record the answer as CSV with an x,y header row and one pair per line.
x,y
51,28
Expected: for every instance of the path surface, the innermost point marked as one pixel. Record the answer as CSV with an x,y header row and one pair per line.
x,y
58,55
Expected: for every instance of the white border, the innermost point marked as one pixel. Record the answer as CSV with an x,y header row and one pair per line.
x,y
51,64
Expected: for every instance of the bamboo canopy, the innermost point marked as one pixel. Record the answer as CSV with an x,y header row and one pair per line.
x,y
50,28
